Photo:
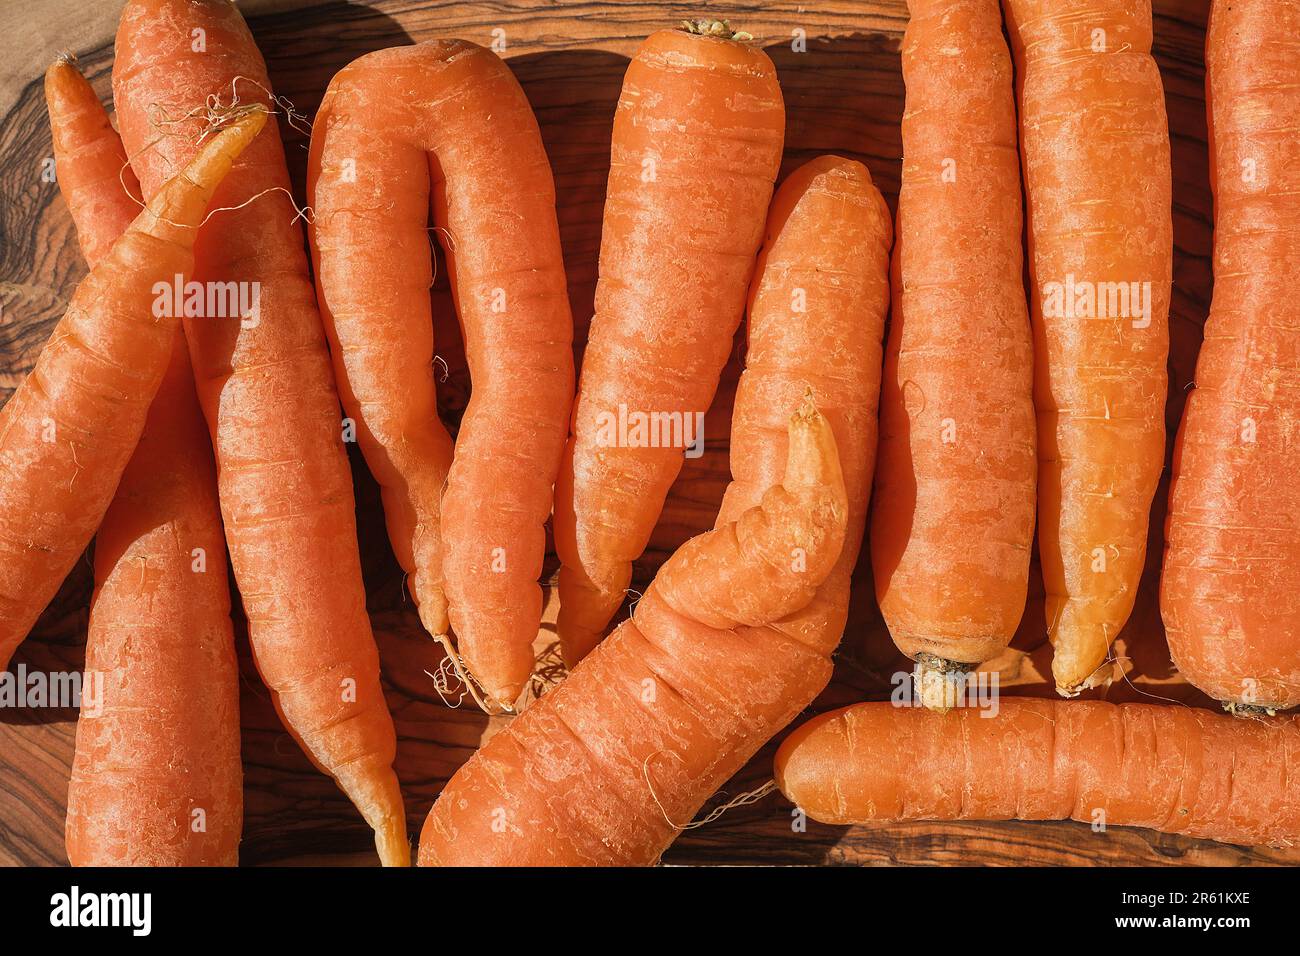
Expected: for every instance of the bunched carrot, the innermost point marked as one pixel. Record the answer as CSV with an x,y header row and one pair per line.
x,y
156,776
1176,769
953,523
1095,149
67,432
266,388
696,147
1230,594
461,133
720,653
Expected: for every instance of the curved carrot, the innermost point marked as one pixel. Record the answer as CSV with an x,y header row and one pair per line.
x,y
695,150
1095,152
953,525
1175,769
461,133
606,768
156,776
267,392
664,711
1229,590
67,432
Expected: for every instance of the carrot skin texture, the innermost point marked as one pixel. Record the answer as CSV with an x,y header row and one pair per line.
x,y
1174,769
163,744
493,196
696,147
952,528
68,431
679,698
1095,157
1229,588
267,391
161,739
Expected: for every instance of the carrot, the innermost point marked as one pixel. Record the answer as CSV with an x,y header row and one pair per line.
x,y
696,147
953,525
156,776
1229,590
816,318
1175,769
267,392
662,713
1095,152
720,653
463,132
67,432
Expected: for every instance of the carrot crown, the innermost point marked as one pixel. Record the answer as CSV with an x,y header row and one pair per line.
x,y
714,28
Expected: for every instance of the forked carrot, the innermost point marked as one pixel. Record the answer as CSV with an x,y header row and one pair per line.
x,y
1176,769
602,770
68,431
719,654
458,132
953,524
267,391
1094,141
156,775
696,147
1230,594
816,318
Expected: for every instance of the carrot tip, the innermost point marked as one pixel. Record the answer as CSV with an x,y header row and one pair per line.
x,y
1070,691
489,700
392,844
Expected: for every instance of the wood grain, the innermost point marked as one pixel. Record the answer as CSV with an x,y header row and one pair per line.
x,y
844,94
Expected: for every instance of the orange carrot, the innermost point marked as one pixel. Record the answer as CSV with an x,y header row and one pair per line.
x,y
1175,769
1095,153
598,771
266,388
1232,566
156,777
816,318
953,525
720,654
695,150
67,433
461,133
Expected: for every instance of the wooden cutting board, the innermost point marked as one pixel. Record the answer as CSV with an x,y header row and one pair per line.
x,y
844,94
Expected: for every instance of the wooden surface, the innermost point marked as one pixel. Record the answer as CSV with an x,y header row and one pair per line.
x,y
844,94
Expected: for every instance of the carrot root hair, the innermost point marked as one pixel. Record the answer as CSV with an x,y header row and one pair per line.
x,y
486,702
216,116
740,800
